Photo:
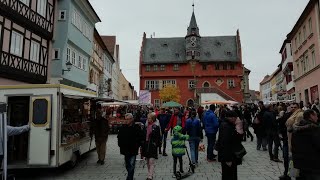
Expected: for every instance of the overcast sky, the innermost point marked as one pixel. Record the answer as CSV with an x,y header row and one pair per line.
x,y
263,27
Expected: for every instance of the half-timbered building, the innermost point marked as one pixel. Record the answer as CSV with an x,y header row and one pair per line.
x,y
26,32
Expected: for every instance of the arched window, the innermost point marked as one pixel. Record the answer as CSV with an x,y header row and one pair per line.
x,y
190,103
206,85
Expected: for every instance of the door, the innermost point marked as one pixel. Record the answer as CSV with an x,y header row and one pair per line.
x,y
40,130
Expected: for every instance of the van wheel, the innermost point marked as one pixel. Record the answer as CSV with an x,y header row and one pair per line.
x,y
74,160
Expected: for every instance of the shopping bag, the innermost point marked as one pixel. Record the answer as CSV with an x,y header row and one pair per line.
x,y
293,172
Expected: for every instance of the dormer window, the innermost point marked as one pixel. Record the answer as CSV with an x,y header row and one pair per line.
x,y
229,53
218,44
153,55
177,55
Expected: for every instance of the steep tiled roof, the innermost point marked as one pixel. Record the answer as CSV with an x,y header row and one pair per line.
x,y
173,50
110,42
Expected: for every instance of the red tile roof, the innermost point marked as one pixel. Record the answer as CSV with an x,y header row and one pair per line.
x,y
110,42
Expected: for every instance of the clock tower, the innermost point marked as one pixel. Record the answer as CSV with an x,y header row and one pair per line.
x,y
193,40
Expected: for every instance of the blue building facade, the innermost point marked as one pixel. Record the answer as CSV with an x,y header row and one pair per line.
x,y
73,39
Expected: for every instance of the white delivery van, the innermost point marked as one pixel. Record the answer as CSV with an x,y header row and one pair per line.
x,y
59,124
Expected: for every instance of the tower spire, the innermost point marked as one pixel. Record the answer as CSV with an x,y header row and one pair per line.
x,y
193,27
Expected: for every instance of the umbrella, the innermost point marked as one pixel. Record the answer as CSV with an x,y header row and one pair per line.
x,y
171,104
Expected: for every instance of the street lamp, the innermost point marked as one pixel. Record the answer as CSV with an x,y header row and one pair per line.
x,y
69,65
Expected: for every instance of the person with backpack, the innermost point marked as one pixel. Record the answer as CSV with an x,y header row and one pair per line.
x,y
193,129
178,148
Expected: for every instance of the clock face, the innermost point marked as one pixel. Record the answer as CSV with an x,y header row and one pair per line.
x,y
193,39
193,44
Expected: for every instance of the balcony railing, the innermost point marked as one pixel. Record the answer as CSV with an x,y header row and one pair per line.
x,y
23,14
14,67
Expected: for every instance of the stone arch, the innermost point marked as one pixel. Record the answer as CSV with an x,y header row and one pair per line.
x,y
206,84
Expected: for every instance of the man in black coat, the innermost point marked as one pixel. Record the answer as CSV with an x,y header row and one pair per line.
x,y
130,138
306,146
284,137
259,127
271,125
228,142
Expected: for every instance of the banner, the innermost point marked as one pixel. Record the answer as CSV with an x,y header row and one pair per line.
x,y
144,97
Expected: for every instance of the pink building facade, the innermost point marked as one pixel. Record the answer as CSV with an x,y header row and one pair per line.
x,y
26,31
305,39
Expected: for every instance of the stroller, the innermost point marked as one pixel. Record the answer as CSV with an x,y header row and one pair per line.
x,y
180,175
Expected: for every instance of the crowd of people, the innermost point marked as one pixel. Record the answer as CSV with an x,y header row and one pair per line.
x,y
287,126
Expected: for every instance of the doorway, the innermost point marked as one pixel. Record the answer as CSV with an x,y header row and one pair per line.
x,y
18,115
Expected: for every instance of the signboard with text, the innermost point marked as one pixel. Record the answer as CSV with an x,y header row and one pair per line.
x,y
144,97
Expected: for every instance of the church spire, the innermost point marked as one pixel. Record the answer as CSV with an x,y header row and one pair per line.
x,y
193,27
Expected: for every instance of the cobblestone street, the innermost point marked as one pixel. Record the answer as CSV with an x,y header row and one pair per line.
x,y
256,166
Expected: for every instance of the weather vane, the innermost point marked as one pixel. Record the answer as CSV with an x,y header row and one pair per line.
x,y
193,5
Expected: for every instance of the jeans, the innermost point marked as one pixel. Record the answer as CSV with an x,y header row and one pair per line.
x,y
285,154
130,165
164,141
261,140
211,142
229,173
273,137
175,159
194,150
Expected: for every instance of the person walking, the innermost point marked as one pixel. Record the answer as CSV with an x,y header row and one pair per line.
x,y
211,126
306,146
11,131
284,137
152,143
99,127
178,148
193,129
259,127
130,138
164,119
247,123
228,142
177,119
271,125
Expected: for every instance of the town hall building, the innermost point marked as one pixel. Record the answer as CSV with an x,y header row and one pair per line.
x,y
204,68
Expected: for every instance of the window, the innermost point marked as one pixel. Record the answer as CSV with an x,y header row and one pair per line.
x,y
232,66
225,66
152,84
78,21
84,64
167,82
79,61
304,33
16,44
123,87
148,68
155,67
204,67
34,51
191,83
157,102
62,15
231,83
313,56
177,55
307,62
298,69
217,67
73,57
56,54
26,2
310,26
206,85
296,43
176,67
162,67
42,7
299,38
